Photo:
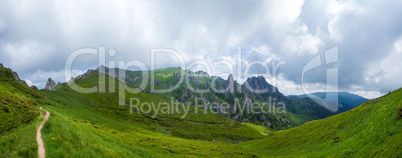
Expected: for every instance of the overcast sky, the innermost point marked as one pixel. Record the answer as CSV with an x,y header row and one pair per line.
x,y
36,37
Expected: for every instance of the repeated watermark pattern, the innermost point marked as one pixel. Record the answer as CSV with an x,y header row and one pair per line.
x,y
174,106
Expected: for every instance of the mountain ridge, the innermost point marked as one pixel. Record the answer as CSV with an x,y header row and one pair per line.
x,y
226,91
93,124
346,100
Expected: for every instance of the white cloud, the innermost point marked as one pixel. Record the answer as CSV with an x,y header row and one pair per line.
x,y
25,54
37,37
385,74
39,78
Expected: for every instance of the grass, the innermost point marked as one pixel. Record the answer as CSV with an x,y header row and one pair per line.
x,y
20,141
17,102
262,129
93,125
78,132
19,117
299,110
373,129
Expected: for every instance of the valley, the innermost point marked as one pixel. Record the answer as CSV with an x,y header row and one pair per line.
x,y
95,125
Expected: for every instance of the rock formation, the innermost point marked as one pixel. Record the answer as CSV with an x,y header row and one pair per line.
x,y
84,75
15,75
50,85
230,84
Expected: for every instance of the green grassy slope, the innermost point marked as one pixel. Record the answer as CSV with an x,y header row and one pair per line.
x,y
21,140
95,125
298,111
17,102
372,129
19,117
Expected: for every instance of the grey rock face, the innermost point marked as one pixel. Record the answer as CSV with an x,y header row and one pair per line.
x,y
14,74
50,85
183,95
192,78
257,84
71,79
102,69
202,74
260,89
84,75
177,74
229,84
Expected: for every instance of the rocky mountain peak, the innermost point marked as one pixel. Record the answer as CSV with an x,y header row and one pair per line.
x,y
15,75
230,83
102,69
230,78
202,74
260,89
258,83
50,85
84,75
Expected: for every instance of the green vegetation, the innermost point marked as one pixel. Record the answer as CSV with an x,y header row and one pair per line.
x,y
262,129
94,125
17,102
298,111
20,141
372,129
19,117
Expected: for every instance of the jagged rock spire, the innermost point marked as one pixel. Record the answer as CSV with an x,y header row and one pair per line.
x,y
230,83
50,85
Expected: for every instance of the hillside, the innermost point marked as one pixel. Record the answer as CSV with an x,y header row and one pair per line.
x,y
372,129
16,101
221,92
19,115
95,125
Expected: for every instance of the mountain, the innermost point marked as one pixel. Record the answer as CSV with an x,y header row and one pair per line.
x,y
19,116
95,125
346,100
17,100
373,129
225,92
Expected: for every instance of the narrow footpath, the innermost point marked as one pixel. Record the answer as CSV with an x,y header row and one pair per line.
x,y
41,148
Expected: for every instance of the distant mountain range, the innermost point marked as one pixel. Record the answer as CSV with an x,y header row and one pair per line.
x,y
346,100
298,110
95,125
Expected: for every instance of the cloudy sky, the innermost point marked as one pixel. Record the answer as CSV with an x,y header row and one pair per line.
x,y
37,37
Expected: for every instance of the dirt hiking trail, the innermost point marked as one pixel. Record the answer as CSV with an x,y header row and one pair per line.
x,y
41,148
